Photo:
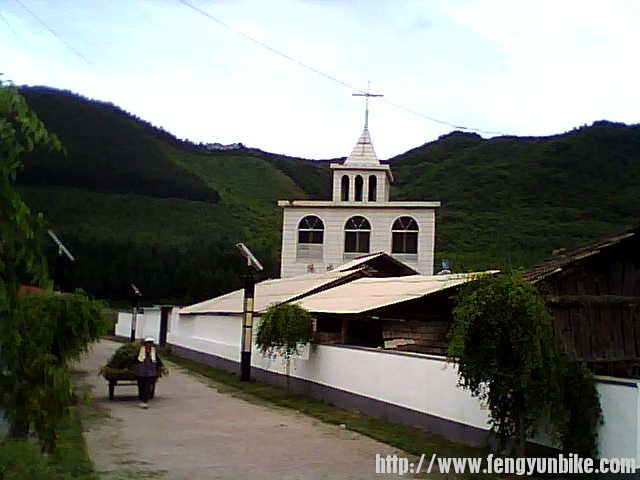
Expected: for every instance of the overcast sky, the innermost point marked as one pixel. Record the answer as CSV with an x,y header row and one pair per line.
x,y
516,67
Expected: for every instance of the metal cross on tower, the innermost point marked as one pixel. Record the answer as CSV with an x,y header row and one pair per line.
x,y
366,110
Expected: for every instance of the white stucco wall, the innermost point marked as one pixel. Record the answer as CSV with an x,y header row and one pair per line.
x,y
382,184
423,383
218,335
335,218
619,436
147,323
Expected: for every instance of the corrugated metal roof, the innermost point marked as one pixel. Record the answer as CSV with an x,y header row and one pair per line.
x,y
269,292
365,294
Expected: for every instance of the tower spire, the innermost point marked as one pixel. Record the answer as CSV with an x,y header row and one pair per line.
x,y
366,95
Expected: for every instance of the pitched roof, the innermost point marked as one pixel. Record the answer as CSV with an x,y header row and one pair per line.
x,y
380,262
564,258
272,291
290,289
363,154
367,293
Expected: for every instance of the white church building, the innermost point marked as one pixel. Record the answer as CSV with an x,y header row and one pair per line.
x,y
317,236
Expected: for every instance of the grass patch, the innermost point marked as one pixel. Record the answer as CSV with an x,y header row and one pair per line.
x,y
71,457
21,459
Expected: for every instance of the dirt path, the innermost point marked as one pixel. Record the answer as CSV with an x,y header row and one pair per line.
x,y
193,432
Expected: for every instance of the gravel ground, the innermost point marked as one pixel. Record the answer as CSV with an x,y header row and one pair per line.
x,y
193,432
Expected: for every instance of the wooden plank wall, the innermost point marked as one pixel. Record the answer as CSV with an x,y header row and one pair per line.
x,y
429,336
596,305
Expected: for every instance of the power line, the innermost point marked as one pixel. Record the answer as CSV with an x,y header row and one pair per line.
x,y
55,34
268,47
4,19
326,75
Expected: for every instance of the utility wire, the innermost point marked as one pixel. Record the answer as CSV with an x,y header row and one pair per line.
x,y
268,47
55,34
4,19
323,74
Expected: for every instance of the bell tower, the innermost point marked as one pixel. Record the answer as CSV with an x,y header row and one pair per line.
x,y
362,178
360,220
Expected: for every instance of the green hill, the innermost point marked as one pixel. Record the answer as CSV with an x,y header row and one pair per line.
x,y
508,202
137,204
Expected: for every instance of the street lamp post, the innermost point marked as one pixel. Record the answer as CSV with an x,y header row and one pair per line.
x,y
247,326
135,301
64,260
247,311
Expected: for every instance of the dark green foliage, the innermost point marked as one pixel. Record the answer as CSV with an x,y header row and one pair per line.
x,y
107,150
39,337
21,460
508,202
581,413
124,358
313,176
283,328
174,249
503,343
20,132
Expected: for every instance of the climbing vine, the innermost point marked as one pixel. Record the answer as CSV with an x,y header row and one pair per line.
x,y
503,343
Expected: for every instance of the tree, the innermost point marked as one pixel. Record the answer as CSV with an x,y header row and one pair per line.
x,y
39,337
20,132
39,334
283,329
502,340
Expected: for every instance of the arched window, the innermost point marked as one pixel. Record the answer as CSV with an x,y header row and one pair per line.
x,y
344,190
310,230
359,185
310,238
404,236
373,185
357,232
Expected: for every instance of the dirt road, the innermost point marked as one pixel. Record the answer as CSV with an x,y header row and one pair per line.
x,y
193,432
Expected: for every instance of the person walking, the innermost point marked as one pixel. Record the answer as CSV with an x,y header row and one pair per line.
x,y
147,371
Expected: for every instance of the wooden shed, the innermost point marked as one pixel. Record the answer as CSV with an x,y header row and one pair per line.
x,y
594,295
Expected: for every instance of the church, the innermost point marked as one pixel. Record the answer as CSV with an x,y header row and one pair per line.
x,y
318,236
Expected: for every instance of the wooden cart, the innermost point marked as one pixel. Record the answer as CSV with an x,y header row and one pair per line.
x,y
123,377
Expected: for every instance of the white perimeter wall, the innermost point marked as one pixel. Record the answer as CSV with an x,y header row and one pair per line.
x,y
147,323
620,433
418,382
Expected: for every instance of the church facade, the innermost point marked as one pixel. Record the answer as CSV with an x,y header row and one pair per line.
x,y
317,236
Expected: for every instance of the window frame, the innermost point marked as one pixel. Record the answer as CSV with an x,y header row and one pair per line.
x,y
373,188
312,232
358,235
344,188
405,234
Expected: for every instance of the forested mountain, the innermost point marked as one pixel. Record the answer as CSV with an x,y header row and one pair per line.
x,y
510,201
136,204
